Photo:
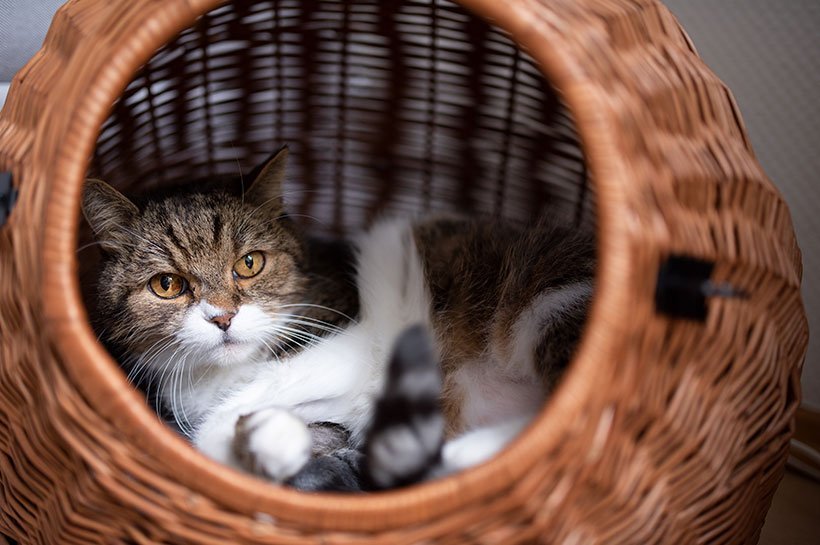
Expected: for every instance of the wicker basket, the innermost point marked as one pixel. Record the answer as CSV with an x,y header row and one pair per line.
x,y
671,425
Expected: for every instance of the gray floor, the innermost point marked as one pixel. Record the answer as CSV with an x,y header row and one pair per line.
x,y
794,518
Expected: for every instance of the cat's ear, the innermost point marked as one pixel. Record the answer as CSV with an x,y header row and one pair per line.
x,y
266,188
109,213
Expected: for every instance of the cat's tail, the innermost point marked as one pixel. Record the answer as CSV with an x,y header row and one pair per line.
x,y
407,432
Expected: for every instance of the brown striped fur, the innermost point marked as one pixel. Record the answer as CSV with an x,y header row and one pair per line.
x,y
482,273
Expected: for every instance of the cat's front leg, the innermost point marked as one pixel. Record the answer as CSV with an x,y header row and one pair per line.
x,y
214,437
478,445
272,443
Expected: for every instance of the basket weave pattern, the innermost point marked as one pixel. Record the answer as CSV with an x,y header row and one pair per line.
x,y
664,430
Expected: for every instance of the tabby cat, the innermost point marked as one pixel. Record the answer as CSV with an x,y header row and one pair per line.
x,y
420,348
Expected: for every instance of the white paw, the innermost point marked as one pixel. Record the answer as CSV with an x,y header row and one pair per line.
x,y
462,453
272,443
404,451
479,445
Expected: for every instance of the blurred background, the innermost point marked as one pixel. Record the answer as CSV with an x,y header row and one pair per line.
x,y
769,55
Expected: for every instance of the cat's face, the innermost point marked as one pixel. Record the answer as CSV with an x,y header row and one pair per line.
x,y
198,278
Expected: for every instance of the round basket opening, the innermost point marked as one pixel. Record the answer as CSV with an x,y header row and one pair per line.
x,y
388,107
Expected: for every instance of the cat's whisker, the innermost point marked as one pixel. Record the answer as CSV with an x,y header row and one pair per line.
x,y
283,341
309,319
308,216
294,337
299,343
155,345
289,323
177,410
138,368
304,335
308,335
134,375
202,375
130,335
190,380
90,244
126,335
250,214
142,238
288,342
158,372
321,307
173,379
281,337
168,365
282,196
174,410
316,326
185,423
272,351
144,361
305,317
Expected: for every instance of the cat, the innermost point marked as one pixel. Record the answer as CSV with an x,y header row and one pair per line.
x,y
421,348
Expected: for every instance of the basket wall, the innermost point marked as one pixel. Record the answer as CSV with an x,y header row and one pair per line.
x,y
664,430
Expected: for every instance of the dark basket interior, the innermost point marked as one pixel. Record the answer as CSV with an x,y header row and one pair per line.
x,y
386,105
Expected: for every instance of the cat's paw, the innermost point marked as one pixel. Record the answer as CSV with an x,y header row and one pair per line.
x,y
272,443
405,438
479,445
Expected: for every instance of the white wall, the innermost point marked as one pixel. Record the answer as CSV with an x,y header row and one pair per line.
x,y
23,25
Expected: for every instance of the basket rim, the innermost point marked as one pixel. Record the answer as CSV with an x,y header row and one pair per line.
x,y
99,378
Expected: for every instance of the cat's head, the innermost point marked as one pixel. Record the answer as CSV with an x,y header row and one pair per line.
x,y
207,276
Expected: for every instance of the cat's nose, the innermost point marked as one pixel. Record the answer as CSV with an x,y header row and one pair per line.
x,y
223,321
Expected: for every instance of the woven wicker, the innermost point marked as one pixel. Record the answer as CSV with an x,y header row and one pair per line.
x,y
665,428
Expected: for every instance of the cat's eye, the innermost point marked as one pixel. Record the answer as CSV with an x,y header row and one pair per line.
x,y
167,285
249,265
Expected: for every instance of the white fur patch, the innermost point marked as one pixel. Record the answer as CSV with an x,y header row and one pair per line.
x,y
279,443
480,445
